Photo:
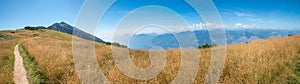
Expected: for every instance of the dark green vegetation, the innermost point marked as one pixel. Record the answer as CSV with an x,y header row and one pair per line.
x,y
34,28
116,44
206,45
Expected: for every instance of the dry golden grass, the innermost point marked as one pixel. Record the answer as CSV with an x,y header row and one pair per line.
x,y
266,61
53,53
6,61
7,58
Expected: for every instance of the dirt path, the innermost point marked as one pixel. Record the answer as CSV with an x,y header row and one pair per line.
x,y
20,76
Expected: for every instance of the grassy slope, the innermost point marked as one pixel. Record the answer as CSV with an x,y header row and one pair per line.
x,y
6,61
7,57
296,75
268,61
35,76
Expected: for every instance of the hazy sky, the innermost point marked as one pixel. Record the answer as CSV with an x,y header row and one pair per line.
x,y
277,14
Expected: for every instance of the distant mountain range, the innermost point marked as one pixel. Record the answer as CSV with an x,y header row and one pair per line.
x,y
66,28
166,41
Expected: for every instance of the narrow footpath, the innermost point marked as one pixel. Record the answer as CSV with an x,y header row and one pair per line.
x,y
20,74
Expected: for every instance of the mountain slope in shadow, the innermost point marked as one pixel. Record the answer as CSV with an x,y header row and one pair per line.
x,y
66,28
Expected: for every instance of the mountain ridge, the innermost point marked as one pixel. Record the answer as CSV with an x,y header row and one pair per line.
x,y
168,40
66,28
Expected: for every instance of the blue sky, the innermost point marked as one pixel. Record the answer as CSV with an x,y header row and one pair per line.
x,y
275,14
19,13
263,13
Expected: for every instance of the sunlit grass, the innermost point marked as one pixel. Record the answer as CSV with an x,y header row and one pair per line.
x,y
33,74
265,61
7,61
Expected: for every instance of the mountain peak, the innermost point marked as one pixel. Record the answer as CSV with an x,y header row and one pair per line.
x,y
60,26
66,28
63,22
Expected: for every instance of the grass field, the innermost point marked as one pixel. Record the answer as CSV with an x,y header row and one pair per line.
x,y
7,43
274,60
34,75
6,61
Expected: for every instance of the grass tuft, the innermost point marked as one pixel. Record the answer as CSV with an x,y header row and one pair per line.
x,y
296,75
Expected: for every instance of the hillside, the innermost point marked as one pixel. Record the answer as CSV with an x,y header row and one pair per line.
x,y
66,28
7,43
273,60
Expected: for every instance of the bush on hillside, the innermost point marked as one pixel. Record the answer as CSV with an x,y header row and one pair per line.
x,y
34,28
108,43
116,44
206,45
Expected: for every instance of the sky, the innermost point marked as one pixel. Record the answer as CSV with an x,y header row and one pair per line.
x,y
20,13
264,14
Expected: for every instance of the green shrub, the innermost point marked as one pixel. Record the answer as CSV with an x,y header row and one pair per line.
x,y
116,44
34,28
108,43
206,45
